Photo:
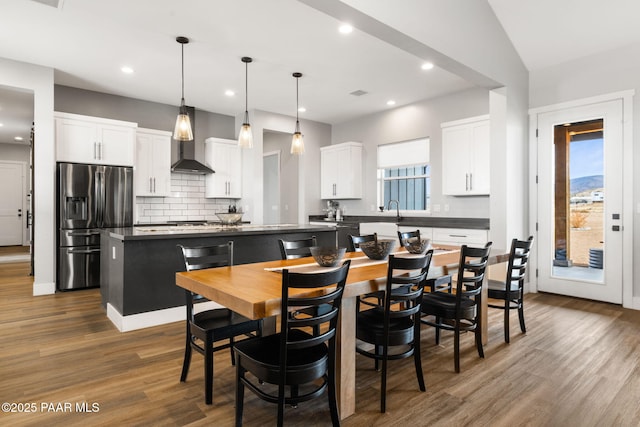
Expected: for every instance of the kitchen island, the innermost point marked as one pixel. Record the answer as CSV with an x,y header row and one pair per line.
x,y
138,264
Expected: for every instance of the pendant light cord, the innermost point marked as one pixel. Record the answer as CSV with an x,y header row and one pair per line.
x,y
246,86
182,46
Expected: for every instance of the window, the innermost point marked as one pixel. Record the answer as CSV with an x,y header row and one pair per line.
x,y
404,174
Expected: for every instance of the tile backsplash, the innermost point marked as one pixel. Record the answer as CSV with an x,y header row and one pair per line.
x,y
186,203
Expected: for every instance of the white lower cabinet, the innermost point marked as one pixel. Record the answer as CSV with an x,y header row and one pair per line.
x,y
225,158
84,139
460,236
152,172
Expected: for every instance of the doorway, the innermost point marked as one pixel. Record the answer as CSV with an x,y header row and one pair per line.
x,y
580,158
288,180
271,182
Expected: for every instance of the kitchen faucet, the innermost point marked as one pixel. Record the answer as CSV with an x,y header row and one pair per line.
x,y
397,208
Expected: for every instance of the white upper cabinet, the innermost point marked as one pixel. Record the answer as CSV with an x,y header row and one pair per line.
x,y
84,139
225,158
341,171
465,157
152,172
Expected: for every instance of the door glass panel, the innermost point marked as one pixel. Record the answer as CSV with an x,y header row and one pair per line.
x,y
579,198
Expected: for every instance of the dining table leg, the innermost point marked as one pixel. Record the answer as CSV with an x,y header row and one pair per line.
x,y
346,358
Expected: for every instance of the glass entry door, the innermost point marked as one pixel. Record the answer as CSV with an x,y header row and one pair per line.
x,y
580,182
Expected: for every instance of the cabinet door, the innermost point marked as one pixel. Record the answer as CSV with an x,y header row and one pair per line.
x,y
225,158
465,159
153,164
116,144
328,174
455,160
76,141
480,168
341,171
143,172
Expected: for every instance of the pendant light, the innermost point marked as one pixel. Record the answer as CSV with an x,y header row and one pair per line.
x,y
245,138
297,143
182,131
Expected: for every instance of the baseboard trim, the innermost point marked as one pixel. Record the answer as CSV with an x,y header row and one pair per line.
x,y
133,322
47,288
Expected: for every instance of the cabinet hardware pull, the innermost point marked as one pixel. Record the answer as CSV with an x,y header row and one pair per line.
x,y
457,235
466,182
154,184
471,181
150,187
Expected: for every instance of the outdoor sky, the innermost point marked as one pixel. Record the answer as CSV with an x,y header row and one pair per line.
x,y
586,158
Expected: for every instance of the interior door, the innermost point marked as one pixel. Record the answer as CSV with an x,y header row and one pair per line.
x,y
271,182
580,189
11,193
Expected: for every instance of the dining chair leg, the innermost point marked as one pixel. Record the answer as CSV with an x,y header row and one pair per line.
x,y
239,395
478,337
521,316
437,331
208,372
281,399
383,388
456,349
187,360
507,304
233,356
417,359
333,397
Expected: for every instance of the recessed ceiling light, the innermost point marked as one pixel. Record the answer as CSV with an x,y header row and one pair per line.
x,y
345,29
127,70
302,109
1,125
18,138
229,93
391,102
427,66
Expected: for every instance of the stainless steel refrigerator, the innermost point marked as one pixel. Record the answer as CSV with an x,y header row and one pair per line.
x,y
90,197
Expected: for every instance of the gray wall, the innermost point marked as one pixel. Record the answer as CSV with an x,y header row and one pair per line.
x,y
277,141
147,114
14,152
413,121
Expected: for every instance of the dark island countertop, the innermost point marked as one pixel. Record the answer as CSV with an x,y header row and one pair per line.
x,y
415,221
169,231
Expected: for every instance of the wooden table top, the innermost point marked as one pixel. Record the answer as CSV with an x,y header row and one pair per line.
x,y
254,292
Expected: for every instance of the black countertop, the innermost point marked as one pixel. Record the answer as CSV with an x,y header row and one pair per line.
x,y
168,231
436,222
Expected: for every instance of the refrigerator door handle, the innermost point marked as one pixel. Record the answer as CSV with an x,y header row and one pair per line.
x,y
83,233
83,251
99,179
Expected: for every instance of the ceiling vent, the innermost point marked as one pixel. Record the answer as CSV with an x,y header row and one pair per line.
x,y
358,92
53,3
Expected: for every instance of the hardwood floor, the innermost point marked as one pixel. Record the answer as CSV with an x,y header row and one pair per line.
x,y
578,365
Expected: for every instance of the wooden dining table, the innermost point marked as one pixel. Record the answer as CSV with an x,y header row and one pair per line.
x,y
254,290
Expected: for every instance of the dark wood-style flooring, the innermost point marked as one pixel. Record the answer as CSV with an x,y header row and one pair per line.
x,y
578,365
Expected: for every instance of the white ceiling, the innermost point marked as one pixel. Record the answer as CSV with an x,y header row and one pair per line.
x,y
87,41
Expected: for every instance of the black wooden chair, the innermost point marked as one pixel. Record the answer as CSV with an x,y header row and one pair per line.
x,y
354,241
511,291
295,358
396,322
292,249
207,327
460,312
440,283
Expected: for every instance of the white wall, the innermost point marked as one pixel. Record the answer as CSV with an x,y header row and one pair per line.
x,y
14,152
419,120
607,72
40,81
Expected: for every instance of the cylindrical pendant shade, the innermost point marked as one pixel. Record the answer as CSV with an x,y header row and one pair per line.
x,y
245,139
182,131
297,143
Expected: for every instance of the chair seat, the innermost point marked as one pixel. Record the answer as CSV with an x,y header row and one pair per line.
x,y
370,328
261,357
223,323
442,304
497,289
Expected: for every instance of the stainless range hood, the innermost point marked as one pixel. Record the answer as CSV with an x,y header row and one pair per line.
x,y
186,163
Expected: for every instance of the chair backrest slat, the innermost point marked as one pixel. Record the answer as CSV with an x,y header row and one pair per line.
x,y
471,270
355,241
292,249
518,259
